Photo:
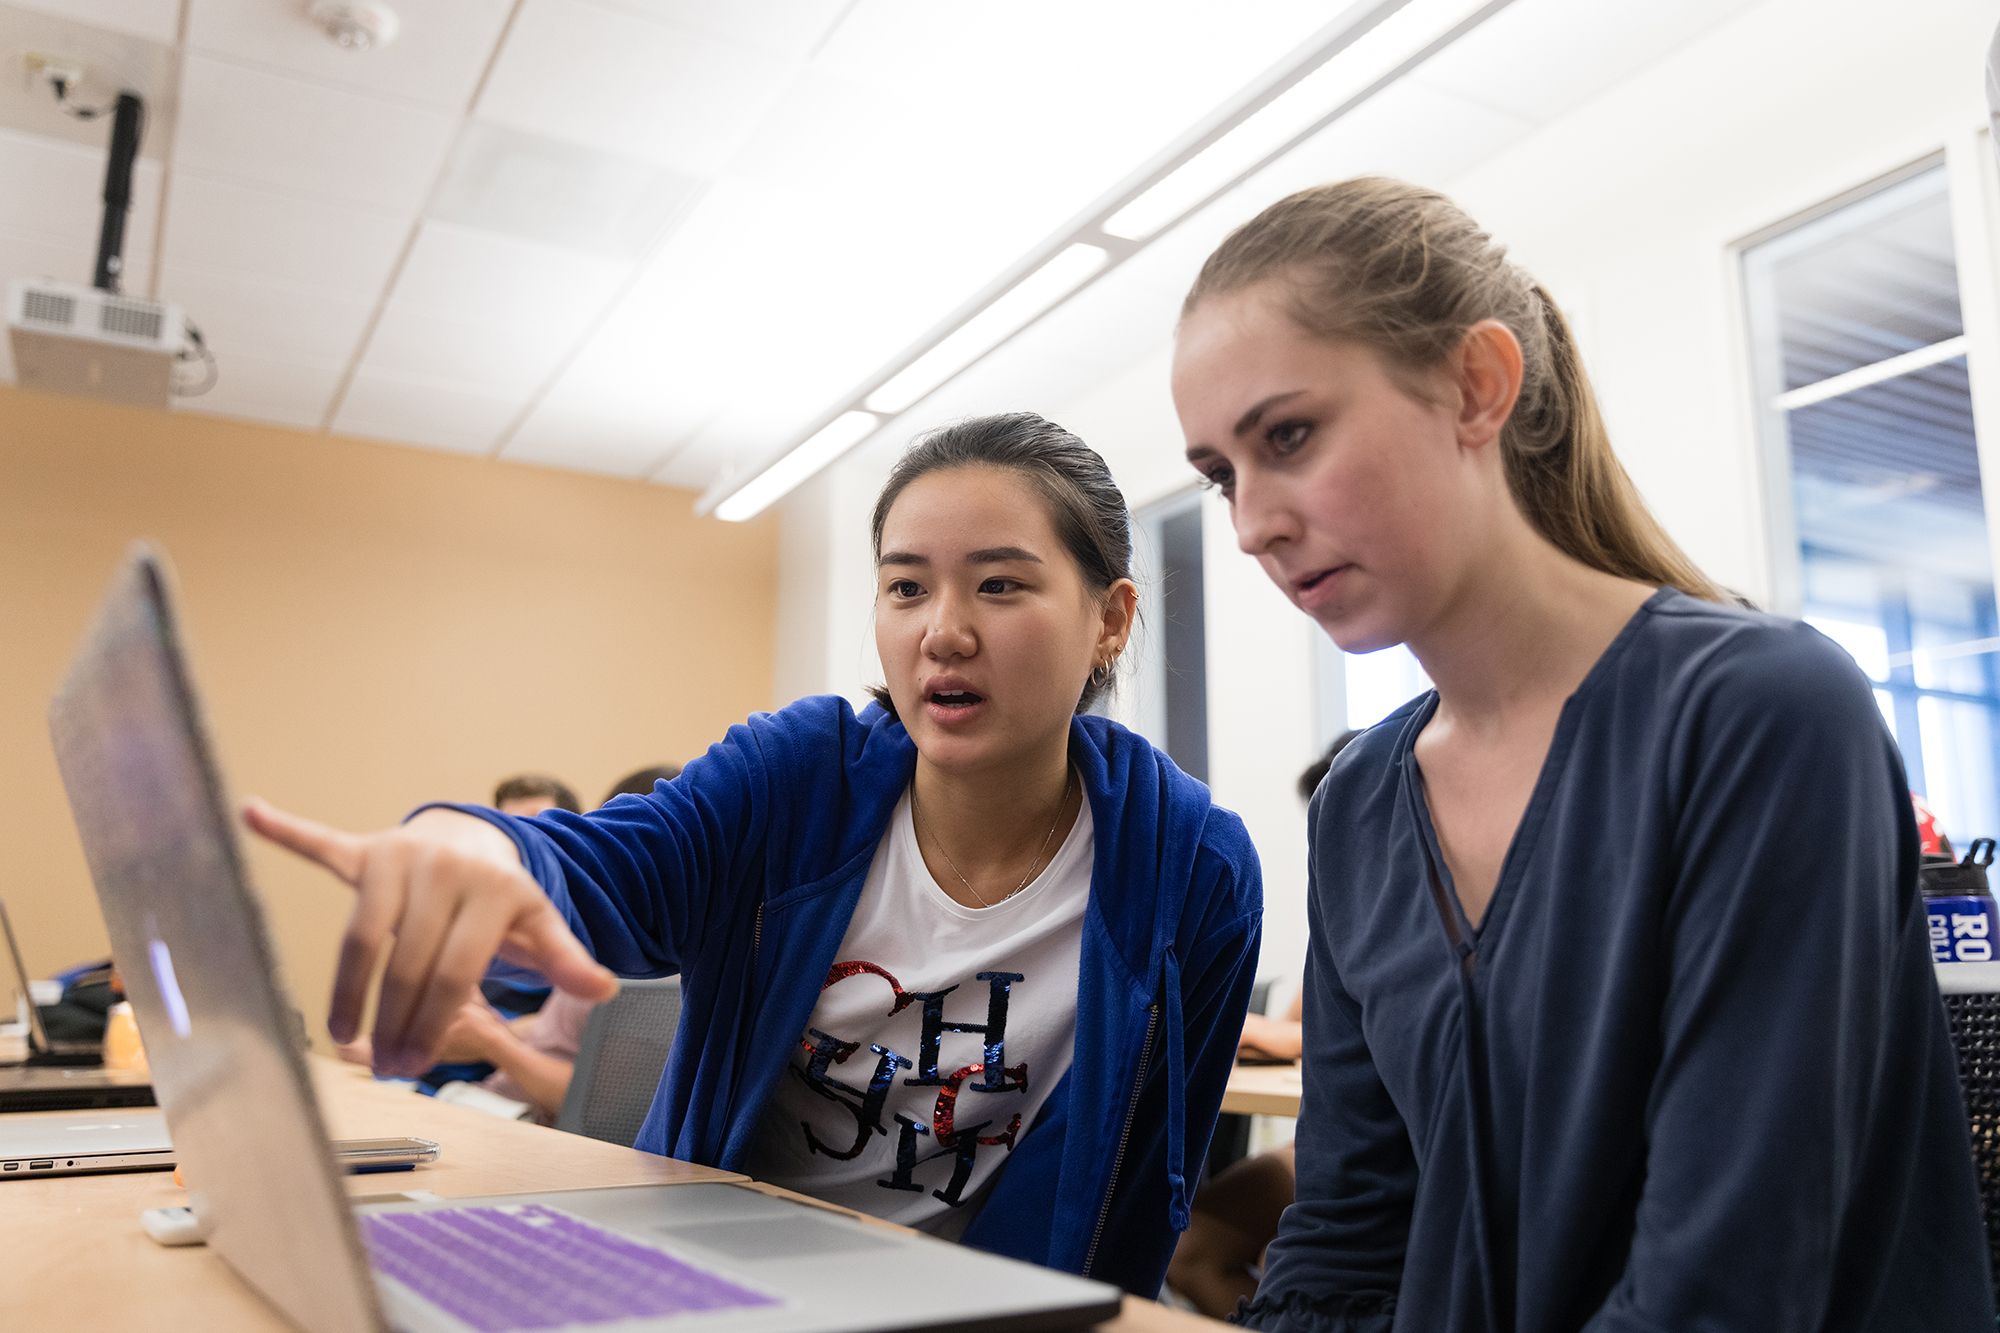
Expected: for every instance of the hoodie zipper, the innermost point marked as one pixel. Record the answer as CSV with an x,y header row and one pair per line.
x,y
756,934
1124,1138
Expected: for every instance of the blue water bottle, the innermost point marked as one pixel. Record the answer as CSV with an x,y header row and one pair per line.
x,y
1964,919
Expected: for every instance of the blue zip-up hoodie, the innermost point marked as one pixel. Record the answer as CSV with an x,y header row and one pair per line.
x,y
742,875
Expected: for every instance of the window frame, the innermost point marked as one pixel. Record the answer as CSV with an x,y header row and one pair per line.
x,y
1971,182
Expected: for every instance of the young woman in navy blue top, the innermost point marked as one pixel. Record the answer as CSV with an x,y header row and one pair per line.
x,y
1619,1013
971,960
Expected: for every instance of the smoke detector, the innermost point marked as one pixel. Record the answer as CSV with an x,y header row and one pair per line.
x,y
355,25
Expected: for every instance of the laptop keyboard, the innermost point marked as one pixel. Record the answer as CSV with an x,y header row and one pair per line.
x,y
528,1266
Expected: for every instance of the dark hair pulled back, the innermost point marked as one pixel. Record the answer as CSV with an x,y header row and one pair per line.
x,y
1084,503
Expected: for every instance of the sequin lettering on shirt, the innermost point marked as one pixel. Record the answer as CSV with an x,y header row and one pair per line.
x,y
946,1139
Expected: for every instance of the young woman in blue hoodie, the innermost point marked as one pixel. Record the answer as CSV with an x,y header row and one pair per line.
x,y
971,960
1619,1010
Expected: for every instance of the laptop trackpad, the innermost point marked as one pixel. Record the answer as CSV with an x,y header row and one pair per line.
x,y
778,1238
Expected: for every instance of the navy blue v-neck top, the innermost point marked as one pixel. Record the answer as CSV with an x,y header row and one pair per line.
x,y
1690,1073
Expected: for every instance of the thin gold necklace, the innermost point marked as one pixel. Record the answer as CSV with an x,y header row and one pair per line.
x,y
1033,866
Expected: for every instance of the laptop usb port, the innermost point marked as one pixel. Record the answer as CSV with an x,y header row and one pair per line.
x,y
13,1166
48,1165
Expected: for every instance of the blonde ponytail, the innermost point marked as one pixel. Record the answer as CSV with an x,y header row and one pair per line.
x,y
1404,270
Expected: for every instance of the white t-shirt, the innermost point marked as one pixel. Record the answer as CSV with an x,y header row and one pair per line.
x,y
888,1105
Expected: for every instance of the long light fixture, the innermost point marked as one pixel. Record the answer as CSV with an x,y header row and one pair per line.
x,y
1029,297
773,483
1369,46
1373,44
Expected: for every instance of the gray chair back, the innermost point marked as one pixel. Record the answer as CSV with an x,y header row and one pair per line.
x,y
618,1064
1972,1002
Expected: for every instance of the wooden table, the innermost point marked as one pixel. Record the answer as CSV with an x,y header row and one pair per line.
x,y
1262,1090
75,1255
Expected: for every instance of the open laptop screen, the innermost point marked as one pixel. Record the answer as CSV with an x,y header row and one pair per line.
x,y
189,937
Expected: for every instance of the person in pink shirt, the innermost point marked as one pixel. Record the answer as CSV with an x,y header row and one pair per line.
x,y
532,1056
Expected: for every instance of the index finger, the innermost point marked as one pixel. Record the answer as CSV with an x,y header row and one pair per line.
x,y
542,940
337,851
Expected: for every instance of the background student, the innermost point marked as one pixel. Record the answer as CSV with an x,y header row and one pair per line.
x,y
515,992
1236,1210
1281,1037
532,793
972,960
641,781
1621,1010
531,1057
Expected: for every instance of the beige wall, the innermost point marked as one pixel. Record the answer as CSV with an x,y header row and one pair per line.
x,y
373,626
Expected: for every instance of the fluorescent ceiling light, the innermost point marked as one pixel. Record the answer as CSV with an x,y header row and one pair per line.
x,y
1029,297
1374,43
775,482
1349,70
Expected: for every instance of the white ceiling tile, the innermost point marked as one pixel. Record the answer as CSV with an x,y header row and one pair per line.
x,y
1181,56
54,193
909,42
154,20
696,466
859,203
479,277
412,411
318,245
557,438
27,257
501,358
440,50
689,474
828,130
111,62
1574,48
610,80
789,27
71,262
479,309
1415,133
34,257
550,190
261,388
619,387
1407,130
237,314
272,130
892,249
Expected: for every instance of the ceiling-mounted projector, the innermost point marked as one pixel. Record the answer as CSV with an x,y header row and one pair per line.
x,y
96,341
73,339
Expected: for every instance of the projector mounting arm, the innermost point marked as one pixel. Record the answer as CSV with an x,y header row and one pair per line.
x,y
127,119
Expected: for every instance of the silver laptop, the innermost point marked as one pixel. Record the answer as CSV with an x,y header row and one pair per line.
x,y
58,1088
227,1066
42,1050
75,1143
61,1076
